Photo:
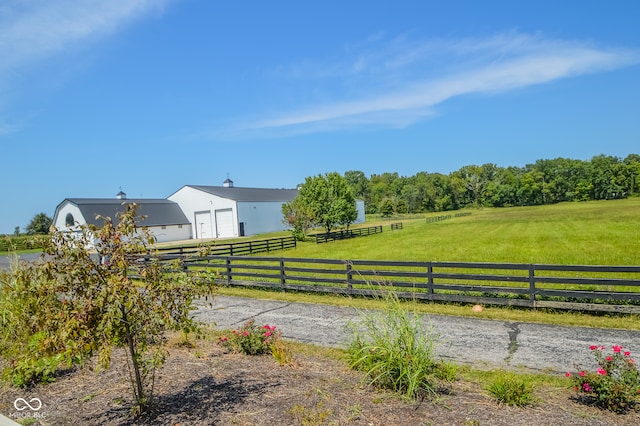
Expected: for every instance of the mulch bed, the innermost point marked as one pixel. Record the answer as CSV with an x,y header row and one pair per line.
x,y
206,385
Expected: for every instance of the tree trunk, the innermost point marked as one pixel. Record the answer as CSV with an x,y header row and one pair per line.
x,y
139,389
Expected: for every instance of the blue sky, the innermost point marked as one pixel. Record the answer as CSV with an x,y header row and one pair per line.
x,y
151,95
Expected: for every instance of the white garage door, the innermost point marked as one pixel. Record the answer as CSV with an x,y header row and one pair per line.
x,y
224,223
203,225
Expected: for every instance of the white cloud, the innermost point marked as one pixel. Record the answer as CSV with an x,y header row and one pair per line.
x,y
34,30
404,80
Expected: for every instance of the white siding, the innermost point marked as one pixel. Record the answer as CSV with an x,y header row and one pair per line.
x,y
360,207
61,214
193,200
261,217
171,232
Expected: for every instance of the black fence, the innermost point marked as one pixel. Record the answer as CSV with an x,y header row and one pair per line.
x,y
585,288
433,219
396,226
231,249
346,233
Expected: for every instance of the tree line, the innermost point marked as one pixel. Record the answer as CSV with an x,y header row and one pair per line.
x,y
603,177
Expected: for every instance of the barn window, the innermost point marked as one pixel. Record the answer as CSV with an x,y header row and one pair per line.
x,y
68,220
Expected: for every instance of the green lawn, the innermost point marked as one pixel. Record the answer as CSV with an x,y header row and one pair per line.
x,y
589,233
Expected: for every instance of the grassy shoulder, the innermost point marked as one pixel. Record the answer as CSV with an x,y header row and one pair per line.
x,y
572,319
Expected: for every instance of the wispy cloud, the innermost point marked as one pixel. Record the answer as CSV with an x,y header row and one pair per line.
x,y
36,29
401,81
32,31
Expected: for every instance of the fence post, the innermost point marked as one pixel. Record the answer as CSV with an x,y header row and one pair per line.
x,y
268,246
228,271
532,286
349,275
430,281
283,279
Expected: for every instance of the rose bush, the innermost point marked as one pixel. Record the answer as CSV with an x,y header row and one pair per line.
x,y
251,339
615,384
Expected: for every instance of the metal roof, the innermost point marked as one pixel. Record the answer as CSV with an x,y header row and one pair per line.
x,y
157,211
249,194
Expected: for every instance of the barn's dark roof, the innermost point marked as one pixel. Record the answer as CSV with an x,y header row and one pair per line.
x,y
157,211
249,194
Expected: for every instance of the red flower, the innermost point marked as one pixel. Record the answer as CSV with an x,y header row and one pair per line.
x,y
567,374
601,372
617,349
609,358
627,353
593,347
245,333
267,334
582,374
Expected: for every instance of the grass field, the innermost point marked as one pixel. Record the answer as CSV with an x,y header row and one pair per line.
x,y
589,233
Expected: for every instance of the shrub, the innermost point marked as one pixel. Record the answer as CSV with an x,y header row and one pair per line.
x,y
72,306
251,339
396,351
511,389
615,384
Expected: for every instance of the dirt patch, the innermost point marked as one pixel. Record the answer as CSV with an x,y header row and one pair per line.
x,y
208,386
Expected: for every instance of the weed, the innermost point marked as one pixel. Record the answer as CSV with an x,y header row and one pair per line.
x,y
511,389
397,351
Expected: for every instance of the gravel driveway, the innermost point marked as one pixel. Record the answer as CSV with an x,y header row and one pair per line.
x,y
479,342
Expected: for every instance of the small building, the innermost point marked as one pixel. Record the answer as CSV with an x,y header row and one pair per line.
x,y
163,218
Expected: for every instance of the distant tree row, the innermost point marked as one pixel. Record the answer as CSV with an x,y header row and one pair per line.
x,y
544,182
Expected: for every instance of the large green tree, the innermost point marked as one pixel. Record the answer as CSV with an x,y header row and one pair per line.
x,y
39,224
329,200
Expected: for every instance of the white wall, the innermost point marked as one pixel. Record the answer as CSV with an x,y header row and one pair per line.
x,y
360,207
261,217
192,200
61,214
171,232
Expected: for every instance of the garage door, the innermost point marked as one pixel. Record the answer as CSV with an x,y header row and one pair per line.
x,y
224,223
203,225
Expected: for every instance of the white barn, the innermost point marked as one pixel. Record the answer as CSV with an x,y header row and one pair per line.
x,y
227,211
164,218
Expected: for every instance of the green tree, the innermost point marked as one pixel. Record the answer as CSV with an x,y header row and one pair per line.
x,y
298,217
329,200
72,306
39,224
16,231
358,182
387,208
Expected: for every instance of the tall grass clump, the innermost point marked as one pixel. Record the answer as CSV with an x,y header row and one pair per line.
x,y
511,389
396,351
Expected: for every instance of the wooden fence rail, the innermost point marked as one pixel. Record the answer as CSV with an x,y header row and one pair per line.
x,y
230,249
433,219
346,233
586,288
